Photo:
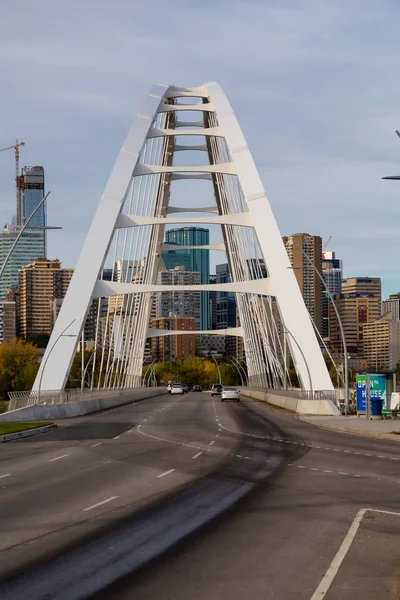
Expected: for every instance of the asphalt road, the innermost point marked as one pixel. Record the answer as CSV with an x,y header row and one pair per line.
x,y
186,497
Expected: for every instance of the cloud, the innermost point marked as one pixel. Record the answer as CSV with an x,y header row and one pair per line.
x,y
313,84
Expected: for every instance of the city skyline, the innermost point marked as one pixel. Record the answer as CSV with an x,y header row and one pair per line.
x,y
321,141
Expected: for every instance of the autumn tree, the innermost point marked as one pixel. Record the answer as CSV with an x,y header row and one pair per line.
x,y
19,363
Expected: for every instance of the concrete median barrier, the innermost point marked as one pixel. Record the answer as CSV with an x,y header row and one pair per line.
x,y
297,405
77,408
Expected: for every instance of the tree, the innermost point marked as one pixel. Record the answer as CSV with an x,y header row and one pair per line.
x,y
19,363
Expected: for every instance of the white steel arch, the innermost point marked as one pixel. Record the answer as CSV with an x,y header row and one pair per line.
x,y
130,223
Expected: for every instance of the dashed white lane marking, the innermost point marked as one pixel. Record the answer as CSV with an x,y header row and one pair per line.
x,y
58,457
98,444
165,473
100,503
197,455
116,437
211,443
5,475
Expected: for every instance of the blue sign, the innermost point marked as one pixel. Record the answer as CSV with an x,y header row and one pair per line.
x,y
377,390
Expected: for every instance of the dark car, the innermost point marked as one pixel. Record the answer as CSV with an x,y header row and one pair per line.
x,y
216,389
185,388
197,388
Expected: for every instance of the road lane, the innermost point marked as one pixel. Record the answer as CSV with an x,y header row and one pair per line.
x,y
280,541
276,542
47,489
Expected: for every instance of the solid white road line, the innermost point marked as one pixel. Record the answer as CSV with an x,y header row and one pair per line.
x,y
58,457
116,437
211,443
166,473
98,444
334,567
100,503
6,475
197,455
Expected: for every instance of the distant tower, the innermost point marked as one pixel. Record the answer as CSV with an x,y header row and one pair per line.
x,y
31,185
199,261
309,283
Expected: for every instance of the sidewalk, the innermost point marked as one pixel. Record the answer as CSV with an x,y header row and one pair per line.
x,y
358,425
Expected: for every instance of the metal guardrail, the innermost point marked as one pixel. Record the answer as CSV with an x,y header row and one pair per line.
x,y
28,398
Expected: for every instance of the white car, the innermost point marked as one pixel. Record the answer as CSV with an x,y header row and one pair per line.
x,y
230,393
177,388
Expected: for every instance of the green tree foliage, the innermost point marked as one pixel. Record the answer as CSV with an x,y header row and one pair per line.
x,y
19,363
196,370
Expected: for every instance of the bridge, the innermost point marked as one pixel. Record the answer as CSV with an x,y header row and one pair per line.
x,y
184,161
169,497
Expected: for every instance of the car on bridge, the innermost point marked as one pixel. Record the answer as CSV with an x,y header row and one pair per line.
x,y
197,388
230,393
177,388
216,389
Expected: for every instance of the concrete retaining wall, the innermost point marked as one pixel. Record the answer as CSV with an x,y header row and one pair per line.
x,y
51,412
301,407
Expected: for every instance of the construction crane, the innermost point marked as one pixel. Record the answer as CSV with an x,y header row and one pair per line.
x,y
326,243
17,176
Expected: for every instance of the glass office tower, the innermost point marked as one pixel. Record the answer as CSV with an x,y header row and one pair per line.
x,y
31,184
29,247
199,260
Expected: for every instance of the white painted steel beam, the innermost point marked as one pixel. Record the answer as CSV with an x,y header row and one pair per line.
x,y
211,131
233,331
115,288
182,107
243,219
225,168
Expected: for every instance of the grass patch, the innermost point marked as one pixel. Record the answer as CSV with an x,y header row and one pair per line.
x,y
16,427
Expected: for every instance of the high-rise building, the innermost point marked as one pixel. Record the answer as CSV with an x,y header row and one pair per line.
x,y
30,247
176,258
40,283
332,274
226,308
7,321
180,303
31,185
392,305
358,304
173,347
31,192
309,282
199,261
382,342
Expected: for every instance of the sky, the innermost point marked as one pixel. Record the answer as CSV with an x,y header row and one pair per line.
x,y
314,84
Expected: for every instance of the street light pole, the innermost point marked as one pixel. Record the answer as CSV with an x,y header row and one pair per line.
x,y
51,350
239,366
238,370
346,359
216,364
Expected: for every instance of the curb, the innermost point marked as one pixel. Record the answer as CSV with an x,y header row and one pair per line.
x,y
28,433
359,432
